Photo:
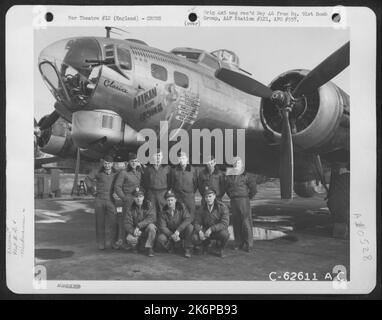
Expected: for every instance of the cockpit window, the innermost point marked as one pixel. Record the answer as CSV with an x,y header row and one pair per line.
x,y
192,56
180,79
210,62
124,58
159,72
226,56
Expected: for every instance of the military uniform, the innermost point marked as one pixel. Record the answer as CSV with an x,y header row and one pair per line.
x,y
126,182
240,188
184,183
105,211
155,181
144,219
179,220
213,179
215,218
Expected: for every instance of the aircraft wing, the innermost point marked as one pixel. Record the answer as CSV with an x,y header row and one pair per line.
x,y
40,161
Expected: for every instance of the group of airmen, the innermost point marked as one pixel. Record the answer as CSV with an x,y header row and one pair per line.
x,y
158,206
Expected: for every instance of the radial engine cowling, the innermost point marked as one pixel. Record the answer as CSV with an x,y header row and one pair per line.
x,y
321,125
56,140
102,129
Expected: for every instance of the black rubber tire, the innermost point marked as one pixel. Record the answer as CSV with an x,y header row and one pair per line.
x,y
305,189
339,199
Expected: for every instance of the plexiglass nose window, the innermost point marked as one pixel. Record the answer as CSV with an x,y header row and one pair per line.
x,y
71,69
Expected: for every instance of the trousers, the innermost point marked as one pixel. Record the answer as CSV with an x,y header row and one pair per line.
x,y
105,220
156,197
121,218
188,200
242,221
165,242
222,236
146,239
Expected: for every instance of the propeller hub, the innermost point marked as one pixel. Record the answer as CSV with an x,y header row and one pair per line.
x,y
302,109
281,98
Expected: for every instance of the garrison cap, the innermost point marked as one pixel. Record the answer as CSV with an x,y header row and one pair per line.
x,y
169,194
131,156
138,192
108,158
118,158
208,190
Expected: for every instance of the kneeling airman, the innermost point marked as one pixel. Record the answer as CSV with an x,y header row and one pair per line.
x,y
175,225
211,223
140,223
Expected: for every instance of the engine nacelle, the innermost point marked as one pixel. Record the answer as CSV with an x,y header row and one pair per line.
x,y
323,123
57,140
102,128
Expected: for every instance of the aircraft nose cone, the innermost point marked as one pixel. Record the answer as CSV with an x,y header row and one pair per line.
x,y
67,72
72,53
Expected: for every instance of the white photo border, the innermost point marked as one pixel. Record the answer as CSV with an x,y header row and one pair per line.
x,y
21,22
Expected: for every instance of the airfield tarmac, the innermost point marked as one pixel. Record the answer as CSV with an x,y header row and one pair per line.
x,y
298,233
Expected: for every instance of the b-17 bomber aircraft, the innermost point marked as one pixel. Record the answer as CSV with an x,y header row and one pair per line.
x,y
109,89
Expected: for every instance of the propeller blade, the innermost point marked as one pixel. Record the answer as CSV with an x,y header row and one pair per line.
x,y
325,71
286,158
243,83
48,121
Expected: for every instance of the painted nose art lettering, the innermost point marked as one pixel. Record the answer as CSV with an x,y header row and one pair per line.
x,y
112,84
145,97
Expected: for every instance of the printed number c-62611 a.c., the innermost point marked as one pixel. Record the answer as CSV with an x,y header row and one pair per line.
x,y
293,276
211,309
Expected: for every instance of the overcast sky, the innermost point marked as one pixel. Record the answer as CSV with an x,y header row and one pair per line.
x,y
264,52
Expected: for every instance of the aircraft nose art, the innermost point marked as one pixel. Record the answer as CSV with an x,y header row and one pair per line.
x,y
182,108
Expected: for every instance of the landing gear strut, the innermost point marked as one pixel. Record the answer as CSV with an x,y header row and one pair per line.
x,y
339,202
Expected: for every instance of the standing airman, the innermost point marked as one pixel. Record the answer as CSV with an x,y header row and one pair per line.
x,y
241,188
213,177
126,182
155,181
101,183
184,183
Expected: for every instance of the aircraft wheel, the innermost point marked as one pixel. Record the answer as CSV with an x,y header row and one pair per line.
x,y
339,204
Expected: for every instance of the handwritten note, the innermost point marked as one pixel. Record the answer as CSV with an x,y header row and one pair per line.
x,y
363,237
15,235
